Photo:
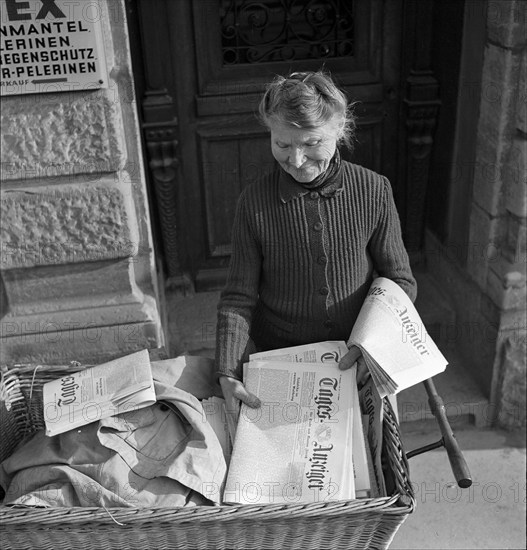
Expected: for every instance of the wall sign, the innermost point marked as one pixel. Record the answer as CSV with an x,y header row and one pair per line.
x,y
51,46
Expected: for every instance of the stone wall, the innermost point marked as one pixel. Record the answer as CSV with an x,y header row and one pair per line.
x,y
489,286
506,284
77,262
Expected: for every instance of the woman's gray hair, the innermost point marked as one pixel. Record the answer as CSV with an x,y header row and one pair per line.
x,y
308,100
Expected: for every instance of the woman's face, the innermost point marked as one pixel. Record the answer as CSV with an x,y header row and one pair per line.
x,y
304,154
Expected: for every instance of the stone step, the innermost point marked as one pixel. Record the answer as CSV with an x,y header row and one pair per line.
x,y
465,404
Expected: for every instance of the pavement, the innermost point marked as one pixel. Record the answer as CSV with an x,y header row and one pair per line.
x,y
489,514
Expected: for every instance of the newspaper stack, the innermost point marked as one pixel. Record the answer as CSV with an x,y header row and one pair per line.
x,y
80,398
393,339
306,442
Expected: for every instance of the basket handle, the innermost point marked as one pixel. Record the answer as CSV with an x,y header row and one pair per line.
x,y
455,456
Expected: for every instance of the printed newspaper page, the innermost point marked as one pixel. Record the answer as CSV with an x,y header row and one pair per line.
x,y
296,447
105,390
334,351
394,342
373,419
363,482
320,352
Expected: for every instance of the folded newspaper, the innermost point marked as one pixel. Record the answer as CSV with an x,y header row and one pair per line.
x,y
307,443
298,446
121,385
323,352
393,339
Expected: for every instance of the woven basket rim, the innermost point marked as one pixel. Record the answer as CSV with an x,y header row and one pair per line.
x,y
54,516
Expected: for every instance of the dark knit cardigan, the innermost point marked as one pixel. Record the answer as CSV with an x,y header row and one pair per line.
x,y
303,261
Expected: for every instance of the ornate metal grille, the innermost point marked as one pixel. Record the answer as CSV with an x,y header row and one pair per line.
x,y
258,31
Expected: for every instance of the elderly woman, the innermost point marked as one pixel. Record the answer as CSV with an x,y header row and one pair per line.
x,y
308,238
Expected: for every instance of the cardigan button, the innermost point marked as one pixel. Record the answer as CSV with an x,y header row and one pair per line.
x,y
324,290
318,226
322,260
313,195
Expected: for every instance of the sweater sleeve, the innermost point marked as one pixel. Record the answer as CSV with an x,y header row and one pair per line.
x,y
390,258
238,298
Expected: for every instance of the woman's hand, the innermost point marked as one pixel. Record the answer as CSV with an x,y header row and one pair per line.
x,y
234,393
355,355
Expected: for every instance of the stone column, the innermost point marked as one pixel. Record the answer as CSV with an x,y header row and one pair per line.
x,y
496,256
77,262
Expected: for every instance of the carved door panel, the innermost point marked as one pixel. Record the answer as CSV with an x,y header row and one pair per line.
x,y
212,59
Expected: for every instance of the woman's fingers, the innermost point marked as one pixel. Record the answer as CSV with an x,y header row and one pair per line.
x,y
246,397
353,356
349,359
234,392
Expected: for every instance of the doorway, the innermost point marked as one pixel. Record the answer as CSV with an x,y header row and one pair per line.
x,y
201,67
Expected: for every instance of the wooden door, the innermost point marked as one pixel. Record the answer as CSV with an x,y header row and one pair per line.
x,y
205,66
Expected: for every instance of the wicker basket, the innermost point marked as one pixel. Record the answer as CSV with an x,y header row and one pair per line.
x,y
361,524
